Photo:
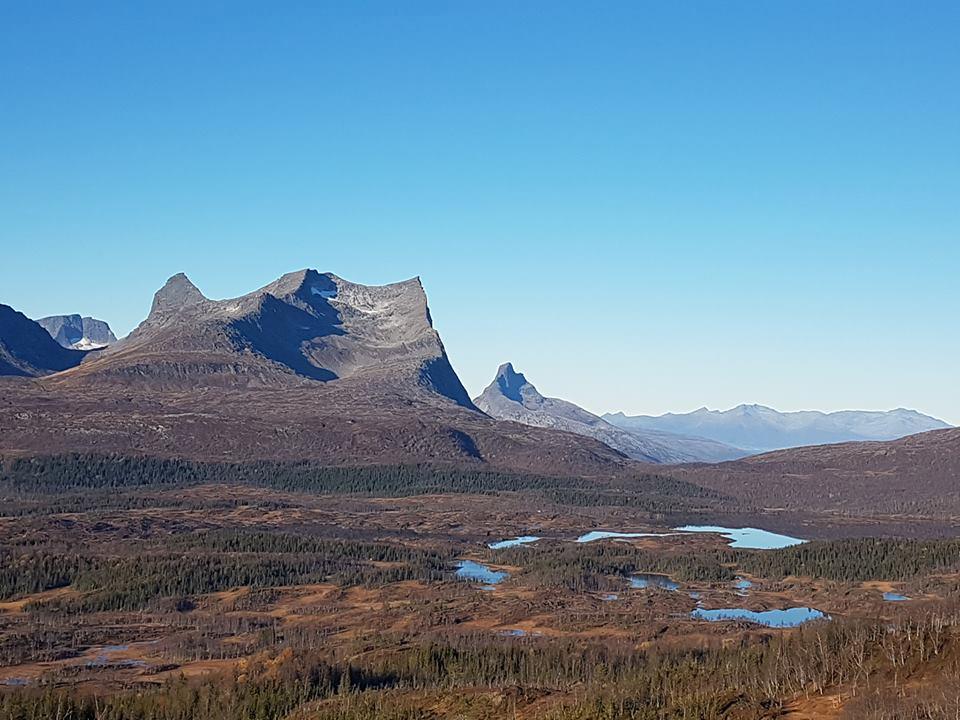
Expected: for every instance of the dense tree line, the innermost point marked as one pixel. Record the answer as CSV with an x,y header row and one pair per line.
x,y
20,477
25,574
854,560
201,563
592,566
614,679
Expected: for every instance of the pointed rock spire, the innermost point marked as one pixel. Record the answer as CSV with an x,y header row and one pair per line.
x,y
510,382
176,294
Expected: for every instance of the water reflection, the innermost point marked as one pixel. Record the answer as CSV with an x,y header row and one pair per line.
x,y
787,617
607,534
478,572
644,581
522,540
746,538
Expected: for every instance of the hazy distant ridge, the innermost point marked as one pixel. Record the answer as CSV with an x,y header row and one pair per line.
x,y
760,429
512,397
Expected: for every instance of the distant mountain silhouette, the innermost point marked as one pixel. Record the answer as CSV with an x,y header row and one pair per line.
x,y
27,350
759,429
78,333
512,397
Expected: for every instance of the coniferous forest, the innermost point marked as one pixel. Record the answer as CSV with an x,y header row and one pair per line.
x,y
167,590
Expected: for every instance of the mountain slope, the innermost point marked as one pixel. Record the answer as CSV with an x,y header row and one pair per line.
x,y
511,397
78,333
305,327
309,367
27,350
916,474
760,429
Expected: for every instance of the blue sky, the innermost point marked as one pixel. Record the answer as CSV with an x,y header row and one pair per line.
x,y
645,206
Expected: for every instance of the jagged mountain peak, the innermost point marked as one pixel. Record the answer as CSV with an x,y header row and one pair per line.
x,y
303,326
78,333
512,397
177,295
511,383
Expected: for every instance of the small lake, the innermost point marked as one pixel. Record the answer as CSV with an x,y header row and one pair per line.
x,y
607,535
478,572
644,581
894,597
746,538
785,618
522,540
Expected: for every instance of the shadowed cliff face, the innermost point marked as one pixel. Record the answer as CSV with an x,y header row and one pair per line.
x,y
27,350
304,327
511,382
78,333
308,367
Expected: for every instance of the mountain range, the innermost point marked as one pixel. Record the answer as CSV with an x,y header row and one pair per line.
x,y
308,367
303,329
512,397
757,428
313,367
78,333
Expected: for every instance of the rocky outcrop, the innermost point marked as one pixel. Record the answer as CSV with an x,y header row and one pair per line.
x,y
78,333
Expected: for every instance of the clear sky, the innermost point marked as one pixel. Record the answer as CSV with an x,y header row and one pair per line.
x,y
645,206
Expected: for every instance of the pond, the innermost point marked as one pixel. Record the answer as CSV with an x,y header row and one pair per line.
x,y
644,581
746,538
607,535
894,597
522,540
478,572
784,618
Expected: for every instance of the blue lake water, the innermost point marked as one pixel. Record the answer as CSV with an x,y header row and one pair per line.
x,y
644,581
787,617
742,584
607,535
746,538
522,540
477,572
894,597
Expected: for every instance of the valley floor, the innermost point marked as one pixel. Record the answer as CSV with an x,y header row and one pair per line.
x,y
161,601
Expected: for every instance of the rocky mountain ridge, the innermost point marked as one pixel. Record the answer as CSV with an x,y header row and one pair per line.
x,y
758,428
78,333
512,397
